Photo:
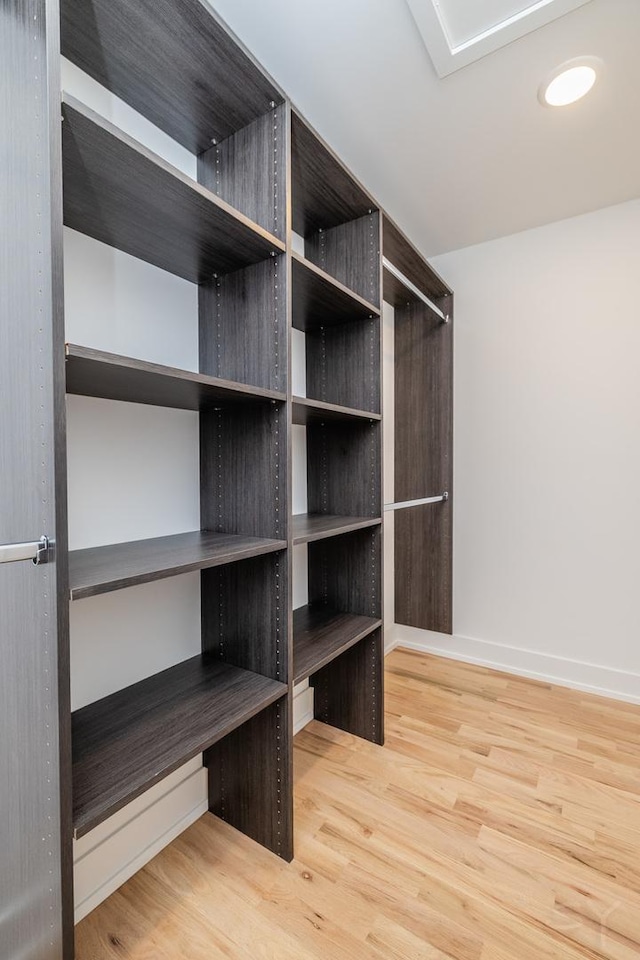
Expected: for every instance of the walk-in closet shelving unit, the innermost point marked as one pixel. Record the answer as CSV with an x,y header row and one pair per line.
x,y
423,433
336,296
178,67
262,176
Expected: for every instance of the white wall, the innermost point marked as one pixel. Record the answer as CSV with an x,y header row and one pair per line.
x,y
547,452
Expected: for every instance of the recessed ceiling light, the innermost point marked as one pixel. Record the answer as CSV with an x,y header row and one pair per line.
x,y
569,82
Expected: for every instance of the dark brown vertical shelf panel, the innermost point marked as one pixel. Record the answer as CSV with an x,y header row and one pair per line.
x,y
344,469
248,170
343,364
251,778
172,61
423,466
243,325
345,572
128,741
350,252
118,192
349,691
243,471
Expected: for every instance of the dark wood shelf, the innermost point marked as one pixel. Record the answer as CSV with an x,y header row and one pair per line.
x,y
94,373
102,569
172,61
118,192
306,410
402,254
324,193
316,526
128,741
318,300
321,634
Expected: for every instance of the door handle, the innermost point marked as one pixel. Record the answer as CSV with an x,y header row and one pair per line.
x,y
36,550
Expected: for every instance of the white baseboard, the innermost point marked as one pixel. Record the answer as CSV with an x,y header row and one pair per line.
x,y
590,677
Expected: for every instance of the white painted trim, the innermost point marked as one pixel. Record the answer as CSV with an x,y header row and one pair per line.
x,y
590,677
447,58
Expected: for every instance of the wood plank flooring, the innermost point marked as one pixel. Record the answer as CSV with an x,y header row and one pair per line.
x,y
500,821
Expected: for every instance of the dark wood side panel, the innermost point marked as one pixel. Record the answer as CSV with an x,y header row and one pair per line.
x,y
244,614
36,879
248,171
403,255
243,325
170,60
324,193
343,364
345,572
343,469
349,692
423,466
250,778
350,252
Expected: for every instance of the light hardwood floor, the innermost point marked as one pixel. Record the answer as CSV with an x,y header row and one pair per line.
x,y
500,821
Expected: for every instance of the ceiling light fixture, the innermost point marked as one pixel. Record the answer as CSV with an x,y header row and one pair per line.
x,y
569,82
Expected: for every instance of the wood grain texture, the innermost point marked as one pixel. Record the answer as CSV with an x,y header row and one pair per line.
x,y
242,325
346,572
423,420
324,193
320,634
118,192
171,61
251,778
350,252
243,471
248,171
244,614
408,259
94,373
343,364
349,691
343,469
97,570
305,410
500,821
307,527
319,300
128,741
36,881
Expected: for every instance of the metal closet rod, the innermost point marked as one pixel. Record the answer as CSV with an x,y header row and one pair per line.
x,y
417,503
415,290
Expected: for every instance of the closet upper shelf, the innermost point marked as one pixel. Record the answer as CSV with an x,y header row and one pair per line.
x,y
410,262
307,410
316,526
115,566
94,373
323,192
122,194
171,61
128,741
318,300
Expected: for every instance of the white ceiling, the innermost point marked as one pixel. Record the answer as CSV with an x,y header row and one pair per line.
x,y
471,156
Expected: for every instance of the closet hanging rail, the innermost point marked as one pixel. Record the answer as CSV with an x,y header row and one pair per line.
x,y
415,290
404,504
